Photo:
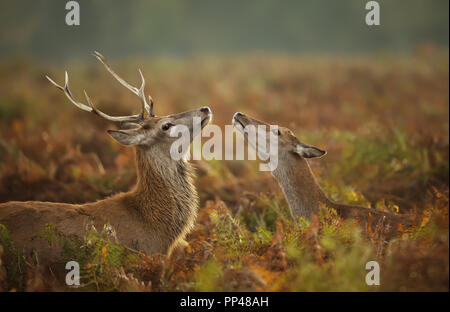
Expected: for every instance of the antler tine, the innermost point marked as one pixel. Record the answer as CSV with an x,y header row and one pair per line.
x,y
151,107
91,107
139,92
112,118
142,97
68,94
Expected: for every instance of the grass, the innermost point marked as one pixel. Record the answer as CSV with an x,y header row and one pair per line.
x,y
383,120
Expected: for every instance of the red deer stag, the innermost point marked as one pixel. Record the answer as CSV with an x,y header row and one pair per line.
x,y
153,217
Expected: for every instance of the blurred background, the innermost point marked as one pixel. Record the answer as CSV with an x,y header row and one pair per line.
x,y
376,98
37,29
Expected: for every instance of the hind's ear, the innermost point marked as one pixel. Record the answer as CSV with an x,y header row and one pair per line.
x,y
308,151
125,137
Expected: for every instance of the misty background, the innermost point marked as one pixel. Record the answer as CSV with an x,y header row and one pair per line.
x,y
37,29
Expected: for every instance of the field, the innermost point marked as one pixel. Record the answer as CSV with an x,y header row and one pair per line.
x,y
384,120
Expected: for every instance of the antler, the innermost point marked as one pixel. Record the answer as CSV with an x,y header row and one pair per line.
x,y
139,92
91,108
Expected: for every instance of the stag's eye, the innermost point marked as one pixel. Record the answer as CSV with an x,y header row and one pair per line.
x,y
276,132
166,126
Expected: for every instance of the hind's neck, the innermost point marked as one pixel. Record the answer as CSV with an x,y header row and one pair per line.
x,y
299,185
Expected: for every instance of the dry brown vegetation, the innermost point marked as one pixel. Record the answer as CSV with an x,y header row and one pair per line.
x,y
383,120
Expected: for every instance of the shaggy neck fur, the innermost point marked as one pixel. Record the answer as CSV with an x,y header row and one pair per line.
x,y
165,191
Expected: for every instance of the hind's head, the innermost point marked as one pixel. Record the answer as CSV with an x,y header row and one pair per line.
x,y
288,143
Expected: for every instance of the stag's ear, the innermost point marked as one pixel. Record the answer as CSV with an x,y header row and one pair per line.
x,y
126,137
308,151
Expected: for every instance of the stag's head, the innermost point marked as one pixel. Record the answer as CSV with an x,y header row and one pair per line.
x,y
145,130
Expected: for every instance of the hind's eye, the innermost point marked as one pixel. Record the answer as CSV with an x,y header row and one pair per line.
x,y
166,126
276,131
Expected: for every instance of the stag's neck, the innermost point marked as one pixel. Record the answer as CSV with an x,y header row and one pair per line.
x,y
163,185
299,185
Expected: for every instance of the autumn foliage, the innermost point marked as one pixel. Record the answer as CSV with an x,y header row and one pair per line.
x,y
383,120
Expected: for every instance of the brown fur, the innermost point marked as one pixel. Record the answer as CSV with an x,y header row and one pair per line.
x,y
153,217
305,196
302,191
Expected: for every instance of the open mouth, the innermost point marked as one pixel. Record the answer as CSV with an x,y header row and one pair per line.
x,y
206,120
237,122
